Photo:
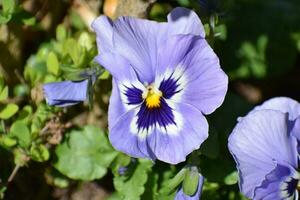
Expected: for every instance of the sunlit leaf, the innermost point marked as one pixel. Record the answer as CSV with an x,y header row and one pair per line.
x,y
8,111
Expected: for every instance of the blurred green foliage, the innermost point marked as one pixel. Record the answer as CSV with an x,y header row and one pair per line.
x,y
258,43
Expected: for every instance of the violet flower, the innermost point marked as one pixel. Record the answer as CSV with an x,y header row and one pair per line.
x,y
264,146
180,195
165,78
66,93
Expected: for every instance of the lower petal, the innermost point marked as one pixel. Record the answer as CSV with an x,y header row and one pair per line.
x,y
173,144
280,183
124,138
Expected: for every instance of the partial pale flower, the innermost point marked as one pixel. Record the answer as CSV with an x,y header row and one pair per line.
x,y
264,146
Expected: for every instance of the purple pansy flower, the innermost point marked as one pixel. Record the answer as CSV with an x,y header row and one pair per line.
x,y
180,195
66,93
165,78
264,146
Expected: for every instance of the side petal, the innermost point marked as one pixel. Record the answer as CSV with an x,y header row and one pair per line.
x,y
197,70
185,21
280,183
283,104
258,141
172,144
137,40
180,195
103,27
65,93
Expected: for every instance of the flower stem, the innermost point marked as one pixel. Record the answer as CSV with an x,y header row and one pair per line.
x,y
13,174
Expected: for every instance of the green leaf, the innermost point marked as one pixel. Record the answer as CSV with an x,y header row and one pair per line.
x,y
8,111
61,33
105,75
39,153
132,187
20,131
231,178
52,63
7,141
85,154
8,6
85,41
190,181
20,158
4,93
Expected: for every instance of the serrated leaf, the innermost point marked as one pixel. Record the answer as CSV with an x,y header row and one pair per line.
x,y
85,154
132,187
4,93
21,133
52,63
8,111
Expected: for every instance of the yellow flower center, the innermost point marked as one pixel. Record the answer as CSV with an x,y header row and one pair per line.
x,y
152,97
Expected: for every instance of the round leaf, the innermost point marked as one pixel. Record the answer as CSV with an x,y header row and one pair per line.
x,y
85,154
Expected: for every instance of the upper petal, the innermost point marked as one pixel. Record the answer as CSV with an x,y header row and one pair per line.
x,y
257,142
65,93
137,40
185,21
103,27
283,104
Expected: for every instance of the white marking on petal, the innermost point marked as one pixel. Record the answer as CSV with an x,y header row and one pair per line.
x,y
140,133
123,88
172,129
177,75
284,186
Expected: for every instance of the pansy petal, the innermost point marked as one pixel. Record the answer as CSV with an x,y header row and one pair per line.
x,y
117,65
173,52
65,93
280,183
103,27
124,139
283,104
199,75
120,133
185,21
180,195
172,144
257,141
190,61
137,40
